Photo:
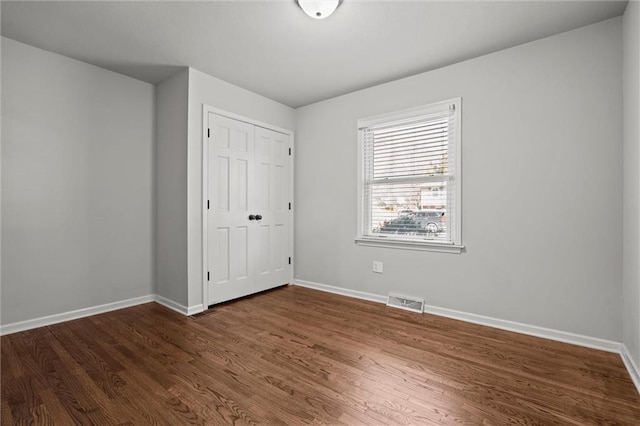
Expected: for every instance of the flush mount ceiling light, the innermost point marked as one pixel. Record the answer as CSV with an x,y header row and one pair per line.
x,y
318,9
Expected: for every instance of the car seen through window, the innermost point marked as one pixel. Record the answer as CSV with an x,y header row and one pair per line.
x,y
416,222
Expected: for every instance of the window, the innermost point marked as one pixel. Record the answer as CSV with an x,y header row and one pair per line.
x,y
409,171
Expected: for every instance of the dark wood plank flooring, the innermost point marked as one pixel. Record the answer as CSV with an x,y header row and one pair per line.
x,y
297,356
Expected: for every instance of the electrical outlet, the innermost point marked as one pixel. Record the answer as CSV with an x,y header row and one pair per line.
x,y
377,267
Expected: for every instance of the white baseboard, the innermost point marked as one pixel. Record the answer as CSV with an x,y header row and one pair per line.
x,y
184,310
532,330
632,367
343,291
94,310
195,309
174,306
71,315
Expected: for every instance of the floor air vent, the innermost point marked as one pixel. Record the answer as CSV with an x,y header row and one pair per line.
x,y
407,303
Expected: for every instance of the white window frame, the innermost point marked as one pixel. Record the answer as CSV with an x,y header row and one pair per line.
x,y
455,246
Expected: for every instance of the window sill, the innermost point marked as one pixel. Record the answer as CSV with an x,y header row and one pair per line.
x,y
409,245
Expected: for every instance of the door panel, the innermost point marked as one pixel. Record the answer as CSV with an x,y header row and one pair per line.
x,y
230,157
222,271
264,186
279,248
265,250
273,160
248,174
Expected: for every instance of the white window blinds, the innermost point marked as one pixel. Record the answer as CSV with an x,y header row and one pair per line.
x,y
410,175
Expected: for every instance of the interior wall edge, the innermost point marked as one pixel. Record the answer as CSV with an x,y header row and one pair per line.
x,y
178,307
632,367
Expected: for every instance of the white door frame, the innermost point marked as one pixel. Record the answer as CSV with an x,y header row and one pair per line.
x,y
206,109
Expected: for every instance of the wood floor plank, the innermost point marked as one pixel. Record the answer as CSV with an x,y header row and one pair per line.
x,y
9,363
57,411
6,418
299,356
43,363
147,376
76,353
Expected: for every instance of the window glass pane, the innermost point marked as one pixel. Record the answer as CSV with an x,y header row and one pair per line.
x,y
410,210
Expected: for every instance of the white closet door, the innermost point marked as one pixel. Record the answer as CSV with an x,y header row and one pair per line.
x,y
272,179
248,220
231,236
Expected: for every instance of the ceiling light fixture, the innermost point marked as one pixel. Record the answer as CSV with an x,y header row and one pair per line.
x,y
318,9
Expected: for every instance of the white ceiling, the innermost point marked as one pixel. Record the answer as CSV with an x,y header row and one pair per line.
x,y
272,48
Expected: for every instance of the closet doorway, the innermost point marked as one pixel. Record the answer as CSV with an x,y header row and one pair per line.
x,y
247,213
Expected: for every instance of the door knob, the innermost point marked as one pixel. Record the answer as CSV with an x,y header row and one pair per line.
x,y
252,217
258,217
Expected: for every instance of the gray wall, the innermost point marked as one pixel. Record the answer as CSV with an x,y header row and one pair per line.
x,y
77,184
631,239
542,193
171,187
207,90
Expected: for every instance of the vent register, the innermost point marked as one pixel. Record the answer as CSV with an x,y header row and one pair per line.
x,y
407,303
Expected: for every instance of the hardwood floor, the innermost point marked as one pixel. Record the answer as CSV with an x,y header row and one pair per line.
x,y
296,356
